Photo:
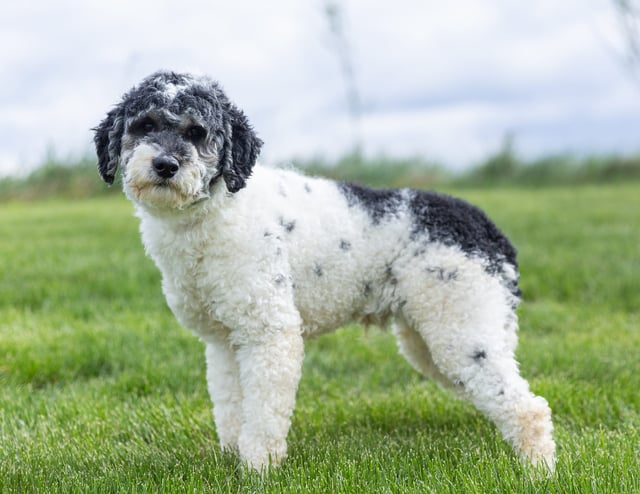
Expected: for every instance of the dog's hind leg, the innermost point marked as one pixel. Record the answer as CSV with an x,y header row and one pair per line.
x,y
414,349
469,332
490,379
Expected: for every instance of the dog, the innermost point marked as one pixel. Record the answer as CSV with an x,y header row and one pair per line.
x,y
256,259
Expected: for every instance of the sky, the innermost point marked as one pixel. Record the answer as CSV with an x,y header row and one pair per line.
x,y
444,81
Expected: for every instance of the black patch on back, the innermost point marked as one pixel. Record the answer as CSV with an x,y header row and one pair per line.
x,y
378,203
345,245
454,222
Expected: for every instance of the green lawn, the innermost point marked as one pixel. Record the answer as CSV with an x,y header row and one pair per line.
x,y
102,391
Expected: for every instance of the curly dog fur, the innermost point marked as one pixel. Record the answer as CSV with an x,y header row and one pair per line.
x,y
255,259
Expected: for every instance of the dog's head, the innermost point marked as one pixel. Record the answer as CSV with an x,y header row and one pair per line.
x,y
174,135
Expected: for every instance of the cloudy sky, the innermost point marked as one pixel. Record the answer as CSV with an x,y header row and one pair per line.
x,y
446,81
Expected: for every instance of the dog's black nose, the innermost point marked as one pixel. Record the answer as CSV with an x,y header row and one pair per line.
x,y
165,166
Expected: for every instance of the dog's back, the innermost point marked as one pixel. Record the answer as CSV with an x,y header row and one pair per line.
x,y
348,250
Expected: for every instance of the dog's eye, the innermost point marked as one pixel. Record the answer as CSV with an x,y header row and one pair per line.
x,y
195,133
148,126
143,127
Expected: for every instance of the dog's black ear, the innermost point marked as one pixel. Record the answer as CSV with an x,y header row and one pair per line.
x,y
108,139
242,147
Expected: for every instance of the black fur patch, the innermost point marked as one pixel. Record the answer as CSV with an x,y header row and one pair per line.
x,y
317,269
378,203
439,218
451,221
512,285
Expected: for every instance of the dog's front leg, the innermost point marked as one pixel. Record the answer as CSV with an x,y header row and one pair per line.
x,y
270,369
223,381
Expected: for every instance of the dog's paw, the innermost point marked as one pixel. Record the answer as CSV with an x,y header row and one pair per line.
x,y
262,455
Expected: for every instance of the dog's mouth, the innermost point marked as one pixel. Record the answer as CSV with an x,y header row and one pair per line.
x,y
172,193
162,183
153,183
141,185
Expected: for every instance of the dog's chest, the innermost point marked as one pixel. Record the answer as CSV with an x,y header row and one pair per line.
x,y
192,280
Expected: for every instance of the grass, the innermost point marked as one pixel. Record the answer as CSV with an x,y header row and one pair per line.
x,y
102,391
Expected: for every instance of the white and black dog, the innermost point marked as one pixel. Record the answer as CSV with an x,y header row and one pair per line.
x,y
255,259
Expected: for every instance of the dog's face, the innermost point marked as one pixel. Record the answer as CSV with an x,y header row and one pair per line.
x,y
174,135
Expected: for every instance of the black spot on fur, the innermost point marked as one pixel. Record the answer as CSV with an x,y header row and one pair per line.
x,y
378,203
288,226
442,274
279,279
345,245
512,285
307,189
267,233
317,269
367,289
388,270
390,276
479,356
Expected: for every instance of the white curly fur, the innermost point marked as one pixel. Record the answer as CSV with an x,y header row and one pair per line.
x,y
254,272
